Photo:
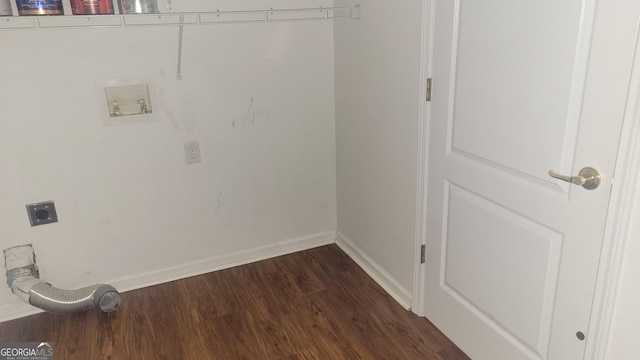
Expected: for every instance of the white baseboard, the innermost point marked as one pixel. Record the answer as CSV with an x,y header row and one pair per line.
x,y
224,261
379,275
19,309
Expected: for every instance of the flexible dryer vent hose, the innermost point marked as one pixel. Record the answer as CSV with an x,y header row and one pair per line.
x,y
23,279
49,298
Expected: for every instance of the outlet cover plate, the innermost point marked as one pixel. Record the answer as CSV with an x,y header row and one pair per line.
x,y
42,213
192,152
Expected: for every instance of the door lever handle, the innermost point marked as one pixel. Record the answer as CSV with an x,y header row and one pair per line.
x,y
576,180
589,178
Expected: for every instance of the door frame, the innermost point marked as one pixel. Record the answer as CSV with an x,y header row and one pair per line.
x,y
424,125
616,234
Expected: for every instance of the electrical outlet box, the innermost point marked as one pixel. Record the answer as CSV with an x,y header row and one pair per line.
x,y
42,213
192,152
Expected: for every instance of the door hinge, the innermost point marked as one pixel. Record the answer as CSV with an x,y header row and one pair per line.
x,y
423,254
429,89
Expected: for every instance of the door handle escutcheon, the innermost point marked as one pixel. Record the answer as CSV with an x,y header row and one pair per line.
x,y
589,178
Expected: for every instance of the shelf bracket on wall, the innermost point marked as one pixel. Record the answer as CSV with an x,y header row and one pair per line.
x,y
180,35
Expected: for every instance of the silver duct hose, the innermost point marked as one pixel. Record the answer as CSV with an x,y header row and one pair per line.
x,y
49,298
23,279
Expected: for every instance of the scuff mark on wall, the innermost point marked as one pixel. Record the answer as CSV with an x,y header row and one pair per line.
x,y
163,111
249,117
246,117
87,275
172,119
219,202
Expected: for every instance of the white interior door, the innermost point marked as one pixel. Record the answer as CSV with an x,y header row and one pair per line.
x,y
521,88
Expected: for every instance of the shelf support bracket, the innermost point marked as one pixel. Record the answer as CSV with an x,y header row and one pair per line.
x,y
180,34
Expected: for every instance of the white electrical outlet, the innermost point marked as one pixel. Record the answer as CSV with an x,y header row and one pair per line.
x,y
192,152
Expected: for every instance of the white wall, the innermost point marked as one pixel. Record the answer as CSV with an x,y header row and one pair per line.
x,y
377,112
259,98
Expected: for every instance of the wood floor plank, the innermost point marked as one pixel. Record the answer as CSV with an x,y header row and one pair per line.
x,y
314,304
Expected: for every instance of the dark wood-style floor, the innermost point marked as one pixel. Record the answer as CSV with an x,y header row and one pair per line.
x,y
315,304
